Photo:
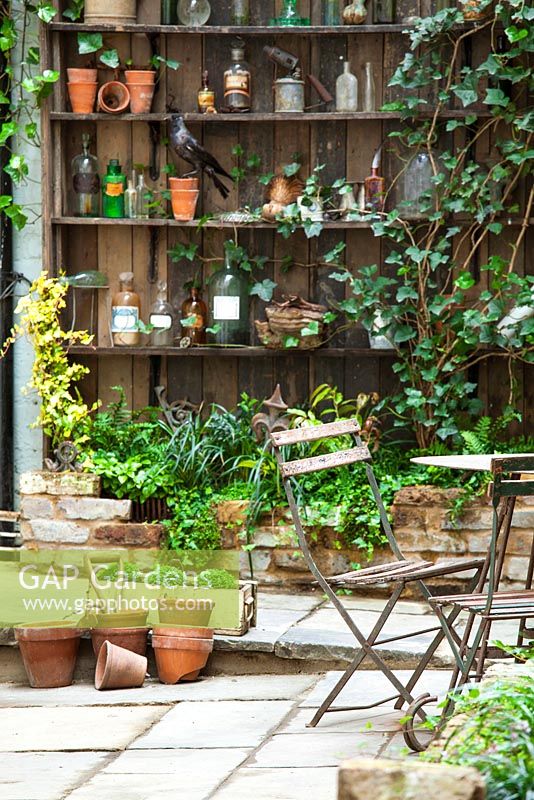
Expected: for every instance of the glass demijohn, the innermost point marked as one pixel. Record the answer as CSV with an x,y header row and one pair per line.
x,y
162,318
347,90
85,182
194,12
229,304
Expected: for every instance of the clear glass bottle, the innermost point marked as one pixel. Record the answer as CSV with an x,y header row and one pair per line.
x,y
331,13
195,311
143,199
229,303
130,200
237,81
369,90
125,313
162,318
347,90
113,189
416,189
384,12
168,12
193,12
240,12
85,182
206,95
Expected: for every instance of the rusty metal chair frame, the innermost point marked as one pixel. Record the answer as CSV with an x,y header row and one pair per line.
x,y
487,604
398,573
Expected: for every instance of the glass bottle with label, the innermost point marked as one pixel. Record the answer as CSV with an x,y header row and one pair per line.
x,y
113,189
240,12
229,303
347,90
206,95
375,186
195,314
125,313
384,12
162,318
237,80
369,91
85,182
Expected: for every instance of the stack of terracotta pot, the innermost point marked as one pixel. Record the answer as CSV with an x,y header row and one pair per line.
x,y
82,88
114,97
141,84
184,197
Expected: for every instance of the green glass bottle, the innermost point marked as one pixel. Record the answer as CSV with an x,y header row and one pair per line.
x,y
113,189
229,303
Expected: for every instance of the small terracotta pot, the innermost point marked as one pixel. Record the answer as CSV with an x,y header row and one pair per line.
x,y
113,97
183,633
184,183
82,75
184,203
118,668
180,659
82,96
138,76
133,639
141,96
49,654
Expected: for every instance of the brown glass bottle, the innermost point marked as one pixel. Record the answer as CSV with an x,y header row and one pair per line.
x,y
375,191
195,307
125,313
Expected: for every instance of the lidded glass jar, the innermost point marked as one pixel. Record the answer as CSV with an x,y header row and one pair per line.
x,y
229,303
85,182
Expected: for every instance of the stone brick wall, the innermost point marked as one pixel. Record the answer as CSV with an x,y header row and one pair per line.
x,y
66,510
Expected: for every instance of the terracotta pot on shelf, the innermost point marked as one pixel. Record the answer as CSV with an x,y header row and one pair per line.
x,y
118,668
133,639
78,75
141,96
138,76
82,96
113,97
49,654
184,183
104,12
180,658
184,203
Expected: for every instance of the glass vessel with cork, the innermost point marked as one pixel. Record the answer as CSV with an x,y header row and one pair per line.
x,y
125,313
237,80
113,189
85,182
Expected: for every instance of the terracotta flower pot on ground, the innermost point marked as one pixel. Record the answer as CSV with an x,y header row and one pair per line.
x,y
137,76
118,668
184,203
82,96
180,658
49,654
141,96
133,639
114,97
184,183
117,12
76,75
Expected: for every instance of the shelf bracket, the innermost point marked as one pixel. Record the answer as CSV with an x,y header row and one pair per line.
x,y
153,256
155,139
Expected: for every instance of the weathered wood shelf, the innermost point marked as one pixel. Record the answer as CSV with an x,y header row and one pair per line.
x,y
247,30
315,116
212,223
229,352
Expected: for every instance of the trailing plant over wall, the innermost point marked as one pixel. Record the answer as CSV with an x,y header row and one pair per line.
x,y
62,415
440,297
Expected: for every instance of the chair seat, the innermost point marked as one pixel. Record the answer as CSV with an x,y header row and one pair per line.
x,y
504,605
403,571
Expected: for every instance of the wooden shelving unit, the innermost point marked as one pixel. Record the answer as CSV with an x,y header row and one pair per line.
x,y
345,143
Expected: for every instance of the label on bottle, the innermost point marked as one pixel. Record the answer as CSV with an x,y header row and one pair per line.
x,y
86,184
114,189
124,318
237,84
161,321
206,99
226,308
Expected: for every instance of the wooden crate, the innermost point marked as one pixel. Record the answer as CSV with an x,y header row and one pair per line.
x,y
248,610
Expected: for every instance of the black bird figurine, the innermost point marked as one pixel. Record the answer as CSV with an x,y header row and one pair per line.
x,y
187,147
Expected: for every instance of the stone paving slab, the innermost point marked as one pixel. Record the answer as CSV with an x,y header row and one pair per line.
x,y
225,723
290,602
377,604
45,776
382,720
280,784
327,750
179,774
241,687
272,624
70,728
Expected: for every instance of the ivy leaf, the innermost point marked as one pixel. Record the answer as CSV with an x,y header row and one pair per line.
x,y
188,322
403,334
214,329
46,12
291,341
496,97
264,290
180,251
329,317
333,254
110,58
515,34
266,179
7,130
89,43
310,330
291,169
312,229
464,280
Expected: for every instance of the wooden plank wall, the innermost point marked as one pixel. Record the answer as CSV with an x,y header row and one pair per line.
x,y
346,148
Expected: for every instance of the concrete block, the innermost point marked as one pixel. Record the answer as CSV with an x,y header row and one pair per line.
x,y
56,531
364,778
33,506
76,484
131,534
94,508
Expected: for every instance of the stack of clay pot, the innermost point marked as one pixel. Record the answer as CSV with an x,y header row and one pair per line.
x,y
181,652
82,87
141,84
184,197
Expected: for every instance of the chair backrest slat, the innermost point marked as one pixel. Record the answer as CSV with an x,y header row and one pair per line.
x,y
313,433
509,487
326,461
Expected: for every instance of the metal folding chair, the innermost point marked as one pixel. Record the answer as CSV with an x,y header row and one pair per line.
x,y
398,573
487,605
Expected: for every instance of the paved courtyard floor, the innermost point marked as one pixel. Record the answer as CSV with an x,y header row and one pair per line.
x,y
230,738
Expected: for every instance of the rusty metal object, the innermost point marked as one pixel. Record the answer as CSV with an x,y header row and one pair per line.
x,y
265,424
176,413
66,459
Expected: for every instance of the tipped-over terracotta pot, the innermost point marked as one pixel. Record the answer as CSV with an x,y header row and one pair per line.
x,y
82,96
79,75
136,76
184,203
184,183
113,97
118,668
133,639
141,96
180,658
49,654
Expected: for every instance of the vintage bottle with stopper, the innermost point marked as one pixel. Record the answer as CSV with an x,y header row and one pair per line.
x,y
113,189
237,80
194,316
125,313
206,95
375,186
162,319
85,182
229,302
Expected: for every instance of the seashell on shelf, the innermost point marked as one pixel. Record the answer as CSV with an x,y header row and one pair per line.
x,y
284,190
